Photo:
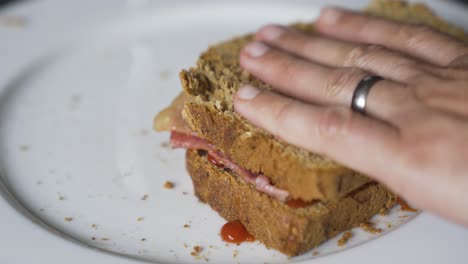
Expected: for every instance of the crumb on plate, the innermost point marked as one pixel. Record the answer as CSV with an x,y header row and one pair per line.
x,y
370,228
165,144
169,185
344,238
383,211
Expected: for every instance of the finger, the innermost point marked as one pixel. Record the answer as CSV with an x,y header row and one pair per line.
x,y
373,58
415,40
336,132
446,95
460,63
311,82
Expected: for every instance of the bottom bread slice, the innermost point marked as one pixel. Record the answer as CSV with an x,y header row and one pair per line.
x,y
289,230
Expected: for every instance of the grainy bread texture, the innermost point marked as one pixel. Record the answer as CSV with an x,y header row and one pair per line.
x,y
291,231
216,78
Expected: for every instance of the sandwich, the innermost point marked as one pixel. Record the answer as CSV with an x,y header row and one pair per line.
x,y
288,198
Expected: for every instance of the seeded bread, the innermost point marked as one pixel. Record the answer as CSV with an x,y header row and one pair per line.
x,y
289,230
216,78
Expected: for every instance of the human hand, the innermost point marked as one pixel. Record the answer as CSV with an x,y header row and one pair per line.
x,y
414,136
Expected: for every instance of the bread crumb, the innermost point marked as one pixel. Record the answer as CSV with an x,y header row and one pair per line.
x,y
143,239
185,245
389,225
404,206
218,105
165,144
370,228
383,211
17,22
169,185
24,147
62,198
402,216
344,238
184,193
235,253
246,135
164,75
75,101
196,251
315,253
139,219
94,226
68,219
186,226
105,239
144,197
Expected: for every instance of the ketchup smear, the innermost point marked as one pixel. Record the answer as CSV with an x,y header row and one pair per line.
x,y
405,206
299,203
235,232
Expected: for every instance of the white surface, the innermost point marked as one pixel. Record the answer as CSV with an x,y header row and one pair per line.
x,y
79,86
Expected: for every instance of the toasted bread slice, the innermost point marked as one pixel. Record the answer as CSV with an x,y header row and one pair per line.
x,y
307,176
289,230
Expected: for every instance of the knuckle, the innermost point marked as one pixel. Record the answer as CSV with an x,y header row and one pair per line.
x,y
282,113
408,101
334,121
451,72
420,151
360,55
341,78
414,35
461,62
411,72
287,70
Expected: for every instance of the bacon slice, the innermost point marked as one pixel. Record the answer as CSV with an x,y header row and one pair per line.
x,y
261,182
189,141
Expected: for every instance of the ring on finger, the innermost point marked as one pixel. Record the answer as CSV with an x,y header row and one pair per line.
x,y
358,103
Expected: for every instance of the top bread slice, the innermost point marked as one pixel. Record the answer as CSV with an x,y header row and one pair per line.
x,y
213,83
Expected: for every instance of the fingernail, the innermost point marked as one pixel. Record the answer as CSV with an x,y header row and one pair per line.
x,y
271,32
247,92
256,49
330,15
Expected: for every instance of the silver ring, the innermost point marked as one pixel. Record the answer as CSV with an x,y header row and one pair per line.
x,y
358,103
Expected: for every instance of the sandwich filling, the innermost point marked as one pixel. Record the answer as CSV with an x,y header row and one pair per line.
x,y
170,119
260,181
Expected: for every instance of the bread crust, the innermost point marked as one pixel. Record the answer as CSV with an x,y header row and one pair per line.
x,y
291,231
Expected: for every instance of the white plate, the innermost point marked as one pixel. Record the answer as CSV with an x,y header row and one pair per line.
x,y
79,86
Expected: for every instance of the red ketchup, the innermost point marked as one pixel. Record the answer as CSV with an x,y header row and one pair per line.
x,y
405,206
235,232
298,203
